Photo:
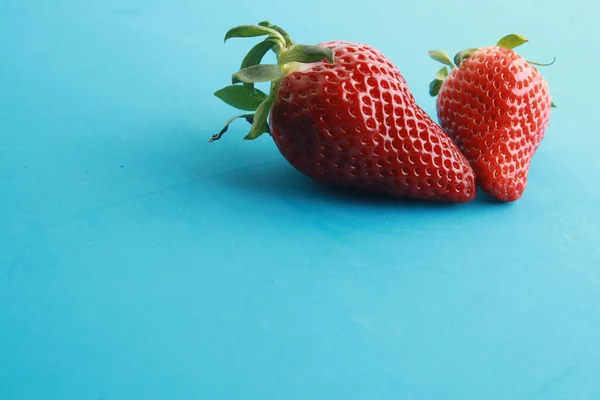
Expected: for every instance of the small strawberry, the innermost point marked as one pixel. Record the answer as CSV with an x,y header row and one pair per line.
x,y
496,106
347,120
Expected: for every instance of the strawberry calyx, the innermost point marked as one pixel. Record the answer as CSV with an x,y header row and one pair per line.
x,y
539,64
436,84
242,94
510,41
463,55
441,56
513,40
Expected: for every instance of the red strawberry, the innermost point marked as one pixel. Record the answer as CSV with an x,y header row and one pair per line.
x,y
350,121
496,107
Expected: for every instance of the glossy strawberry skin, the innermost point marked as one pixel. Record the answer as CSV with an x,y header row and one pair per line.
x,y
496,107
355,123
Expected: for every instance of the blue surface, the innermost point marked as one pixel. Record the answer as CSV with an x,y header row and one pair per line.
x,y
137,261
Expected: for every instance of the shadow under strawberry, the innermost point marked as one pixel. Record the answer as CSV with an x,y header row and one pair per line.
x,y
281,181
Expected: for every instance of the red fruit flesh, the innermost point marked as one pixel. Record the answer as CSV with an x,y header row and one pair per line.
x,y
496,107
355,123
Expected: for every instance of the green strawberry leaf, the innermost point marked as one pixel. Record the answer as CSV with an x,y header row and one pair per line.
x,y
542,64
305,54
434,87
441,74
286,36
258,73
255,56
217,136
241,97
511,41
244,31
260,125
463,55
441,56
552,105
436,84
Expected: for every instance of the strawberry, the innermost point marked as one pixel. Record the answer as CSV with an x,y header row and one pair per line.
x,y
496,106
342,113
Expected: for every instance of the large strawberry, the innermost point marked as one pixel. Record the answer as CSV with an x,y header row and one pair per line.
x,y
496,106
341,113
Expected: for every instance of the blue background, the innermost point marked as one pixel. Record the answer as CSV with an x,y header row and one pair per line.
x,y
138,261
